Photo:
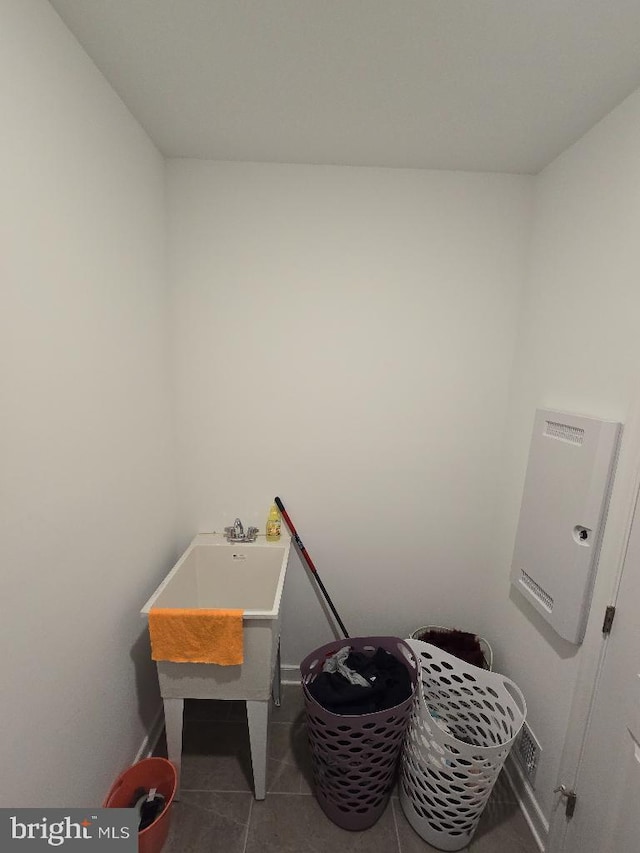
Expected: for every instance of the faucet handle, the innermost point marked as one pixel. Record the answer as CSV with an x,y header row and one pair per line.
x,y
237,533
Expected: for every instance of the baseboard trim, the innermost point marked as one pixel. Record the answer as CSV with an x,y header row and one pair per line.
x,y
152,737
527,801
290,673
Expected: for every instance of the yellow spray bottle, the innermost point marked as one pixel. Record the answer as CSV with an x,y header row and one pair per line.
x,y
274,524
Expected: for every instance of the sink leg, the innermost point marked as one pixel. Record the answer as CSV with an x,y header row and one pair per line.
x,y
276,689
258,717
173,713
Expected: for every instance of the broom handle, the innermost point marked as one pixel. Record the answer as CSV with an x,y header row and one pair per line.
x,y
309,562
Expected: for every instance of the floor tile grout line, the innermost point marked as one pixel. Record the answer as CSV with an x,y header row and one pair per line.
x,y
216,791
246,835
395,824
239,791
289,794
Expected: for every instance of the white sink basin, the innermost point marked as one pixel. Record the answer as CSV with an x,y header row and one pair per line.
x,y
213,573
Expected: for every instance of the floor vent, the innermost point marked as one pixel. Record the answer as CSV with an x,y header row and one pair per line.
x,y
527,750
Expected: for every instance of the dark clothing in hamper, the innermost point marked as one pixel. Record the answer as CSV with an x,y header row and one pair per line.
x,y
388,679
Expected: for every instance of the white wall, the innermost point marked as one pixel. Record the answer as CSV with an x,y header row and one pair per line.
x,y
578,350
343,338
87,498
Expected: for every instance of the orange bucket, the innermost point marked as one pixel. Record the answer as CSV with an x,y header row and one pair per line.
x,y
148,773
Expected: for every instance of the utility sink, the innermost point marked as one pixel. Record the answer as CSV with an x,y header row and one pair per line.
x,y
213,573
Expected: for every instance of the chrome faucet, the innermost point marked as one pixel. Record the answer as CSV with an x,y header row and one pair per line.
x,y
237,533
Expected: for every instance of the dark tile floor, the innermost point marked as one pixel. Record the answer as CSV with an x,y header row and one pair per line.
x,y
217,811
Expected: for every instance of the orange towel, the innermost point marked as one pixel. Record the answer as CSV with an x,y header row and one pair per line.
x,y
196,636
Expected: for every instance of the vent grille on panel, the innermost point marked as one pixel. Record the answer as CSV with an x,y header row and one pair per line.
x,y
536,591
527,750
564,432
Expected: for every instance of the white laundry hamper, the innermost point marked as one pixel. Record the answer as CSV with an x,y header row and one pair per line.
x,y
463,725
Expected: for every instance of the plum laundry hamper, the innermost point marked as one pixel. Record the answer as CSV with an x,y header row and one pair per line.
x,y
355,757
463,724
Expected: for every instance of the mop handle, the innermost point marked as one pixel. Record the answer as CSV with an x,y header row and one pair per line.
x,y
309,562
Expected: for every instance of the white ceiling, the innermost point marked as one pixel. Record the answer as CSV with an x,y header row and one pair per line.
x,y
488,85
